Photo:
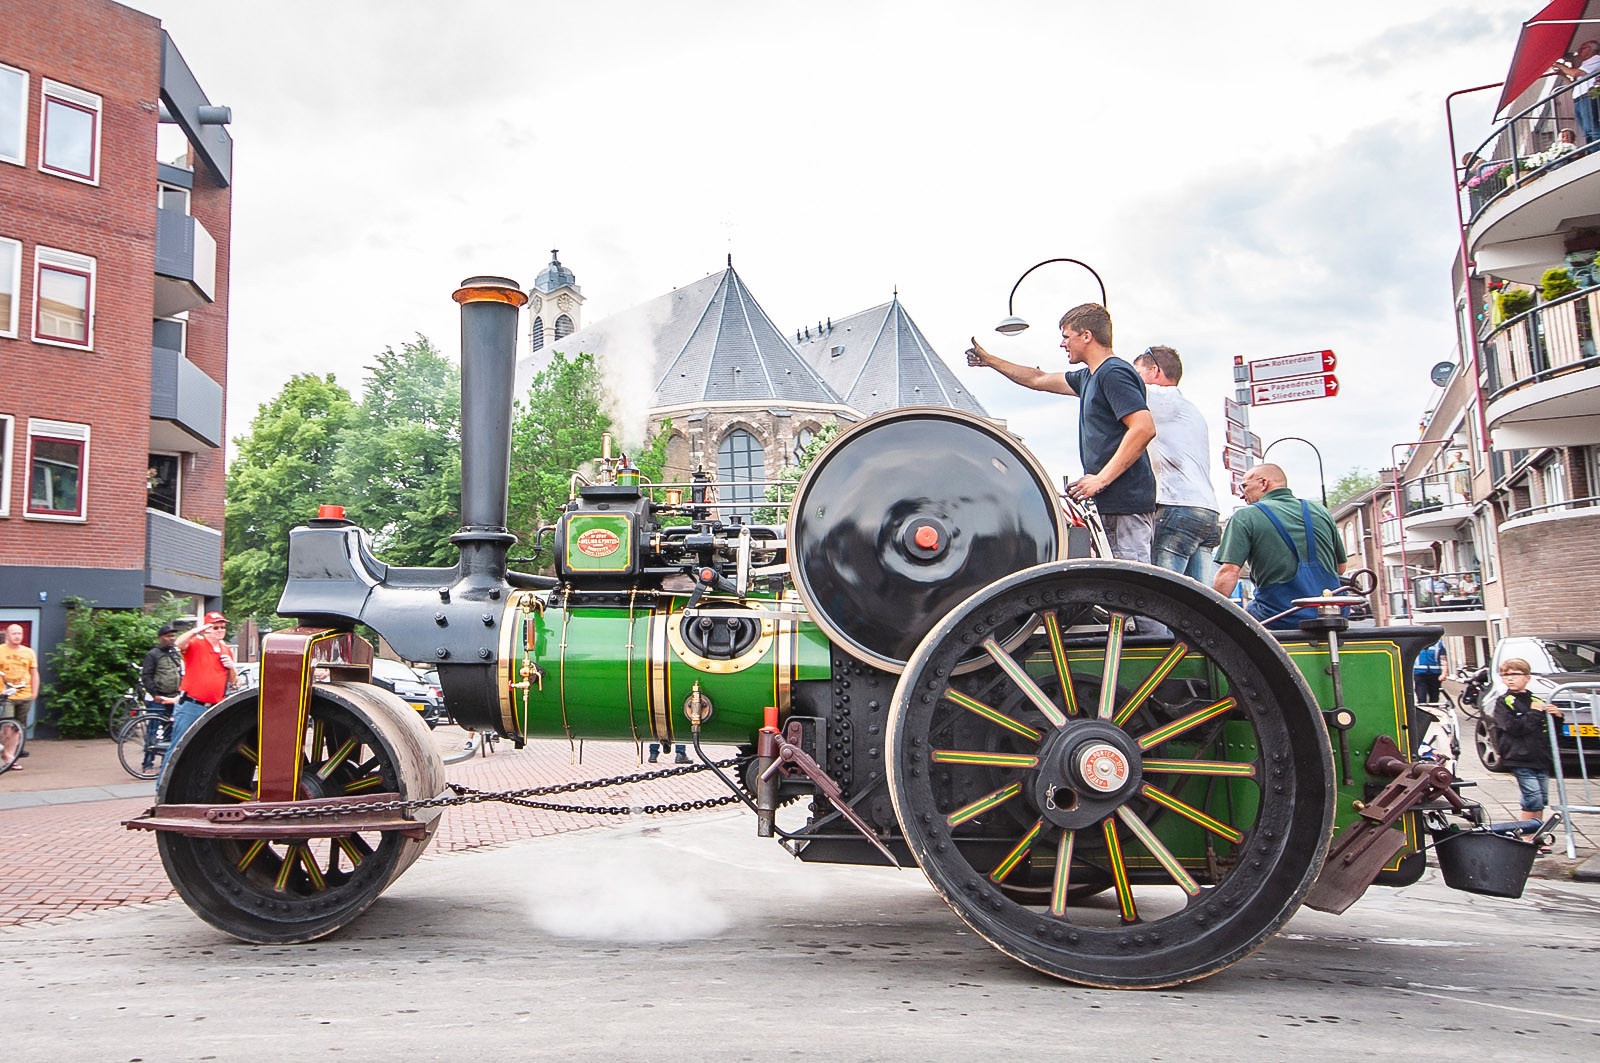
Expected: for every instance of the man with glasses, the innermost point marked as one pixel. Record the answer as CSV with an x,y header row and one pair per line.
x,y
208,672
1186,527
1114,426
1291,545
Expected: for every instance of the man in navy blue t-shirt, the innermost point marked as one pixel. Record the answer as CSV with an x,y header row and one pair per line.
x,y
1114,426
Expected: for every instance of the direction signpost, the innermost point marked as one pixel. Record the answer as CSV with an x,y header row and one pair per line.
x,y
1292,365
1266,382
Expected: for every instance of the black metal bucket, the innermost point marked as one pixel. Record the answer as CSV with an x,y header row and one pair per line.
x,y
1484,862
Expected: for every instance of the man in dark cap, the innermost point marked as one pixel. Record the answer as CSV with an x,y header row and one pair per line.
x,y
161,676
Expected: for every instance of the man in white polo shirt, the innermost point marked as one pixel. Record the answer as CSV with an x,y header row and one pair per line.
x,y
1187,527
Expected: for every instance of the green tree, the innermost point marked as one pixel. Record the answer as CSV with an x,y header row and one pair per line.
x,y
1350,485
399,466
558,431
780,494
280,475
98,661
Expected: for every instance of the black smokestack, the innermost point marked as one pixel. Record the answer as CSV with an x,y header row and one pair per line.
x,y
489,307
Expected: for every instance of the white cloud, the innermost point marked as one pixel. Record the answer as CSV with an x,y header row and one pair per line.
x,y
1248,178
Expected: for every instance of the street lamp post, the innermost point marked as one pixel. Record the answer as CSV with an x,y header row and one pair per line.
x,y
1322,478
1014,324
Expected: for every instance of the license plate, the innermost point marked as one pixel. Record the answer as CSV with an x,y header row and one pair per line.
x,y
1582,730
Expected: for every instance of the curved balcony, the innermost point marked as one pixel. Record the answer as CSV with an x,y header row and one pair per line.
x,y
1452,599
1436,505
1542,371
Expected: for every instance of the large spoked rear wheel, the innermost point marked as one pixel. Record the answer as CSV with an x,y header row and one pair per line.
x,y
358,740
1136,795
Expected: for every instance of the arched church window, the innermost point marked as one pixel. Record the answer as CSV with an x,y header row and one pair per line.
x,y
740,462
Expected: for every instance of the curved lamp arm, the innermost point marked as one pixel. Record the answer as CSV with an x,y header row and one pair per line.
x,y
1014,324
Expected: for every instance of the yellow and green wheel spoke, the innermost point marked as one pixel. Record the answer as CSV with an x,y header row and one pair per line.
x,y
1058,653
248,857
1192,814
986,760
1163,855
1185,723
1058,885
1155,679
1014,857
309,862
365,783
993,715
238,793
1156,766
337,757
983,804
1108,674
1119,871
1025,683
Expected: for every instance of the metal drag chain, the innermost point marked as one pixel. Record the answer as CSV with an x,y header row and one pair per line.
x,y
466,795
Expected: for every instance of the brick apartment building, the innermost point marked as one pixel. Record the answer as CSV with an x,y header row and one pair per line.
x,y
115,207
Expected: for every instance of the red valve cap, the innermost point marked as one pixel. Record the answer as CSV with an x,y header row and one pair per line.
x,y
927,537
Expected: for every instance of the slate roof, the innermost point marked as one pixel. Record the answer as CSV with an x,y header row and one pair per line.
x,y
711,342
879,360
554,276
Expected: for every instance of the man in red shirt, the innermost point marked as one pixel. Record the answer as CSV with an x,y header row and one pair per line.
x,y
208,672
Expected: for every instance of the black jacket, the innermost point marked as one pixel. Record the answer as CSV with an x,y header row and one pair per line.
x,y
1524,741
161,671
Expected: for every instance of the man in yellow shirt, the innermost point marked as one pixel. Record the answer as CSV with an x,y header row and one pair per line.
x,y
19,669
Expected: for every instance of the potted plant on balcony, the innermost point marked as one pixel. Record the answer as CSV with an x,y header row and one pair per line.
x,y
1513,301
1555,283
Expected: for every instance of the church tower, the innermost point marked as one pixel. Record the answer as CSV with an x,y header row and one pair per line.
x,y
556,303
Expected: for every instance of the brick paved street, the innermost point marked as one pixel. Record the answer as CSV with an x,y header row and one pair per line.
x,y
63,858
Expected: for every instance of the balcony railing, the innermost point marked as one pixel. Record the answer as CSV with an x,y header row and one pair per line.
x,y
1524,147
1438,592
1553,338
1589,502
1436,491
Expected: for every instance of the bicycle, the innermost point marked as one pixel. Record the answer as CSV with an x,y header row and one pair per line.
x,y
123,710
143,742
13,735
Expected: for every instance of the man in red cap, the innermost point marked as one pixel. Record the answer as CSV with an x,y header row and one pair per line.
x,y
208,672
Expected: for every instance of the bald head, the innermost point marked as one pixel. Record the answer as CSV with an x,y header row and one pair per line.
x,y
1272,475
14,634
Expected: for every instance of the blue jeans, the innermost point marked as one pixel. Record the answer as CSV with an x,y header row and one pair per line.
x,y
184,714
1182,541
1587,110
1535,786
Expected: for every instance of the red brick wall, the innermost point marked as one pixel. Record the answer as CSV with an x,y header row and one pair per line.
x,y
1551,582
115,52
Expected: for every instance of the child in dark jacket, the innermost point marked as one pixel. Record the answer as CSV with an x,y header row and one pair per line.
x,y
1524,744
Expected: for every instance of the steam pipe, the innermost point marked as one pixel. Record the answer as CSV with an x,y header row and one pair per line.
x,y
489,308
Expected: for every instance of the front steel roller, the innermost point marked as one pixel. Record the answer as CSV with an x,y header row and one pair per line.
x,y
908,513
1113,808
358,740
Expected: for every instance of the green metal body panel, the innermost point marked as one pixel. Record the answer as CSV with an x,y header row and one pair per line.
x,y
624,674
599,542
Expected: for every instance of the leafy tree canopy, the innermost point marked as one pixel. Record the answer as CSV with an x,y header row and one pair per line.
x,y
399,470
1350,485
556,431
276,482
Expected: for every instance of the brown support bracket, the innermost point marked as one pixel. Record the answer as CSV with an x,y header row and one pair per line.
x,y
290,661
1360,851
277,820
784,753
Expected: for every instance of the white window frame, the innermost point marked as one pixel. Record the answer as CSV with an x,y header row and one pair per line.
x,y
20,158
1553,477
8,436
65,432
65,262
8,328
78,99
177,484
163,188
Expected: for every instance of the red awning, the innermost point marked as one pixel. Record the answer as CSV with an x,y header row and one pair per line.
x,y
1546,37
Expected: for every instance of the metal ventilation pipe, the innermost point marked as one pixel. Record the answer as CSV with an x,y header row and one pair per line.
x,y
489,308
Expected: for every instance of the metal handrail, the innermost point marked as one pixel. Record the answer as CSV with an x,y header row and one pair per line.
x,y
1454,488
1465,587
1540,121
1593,691
1587,502
1549,339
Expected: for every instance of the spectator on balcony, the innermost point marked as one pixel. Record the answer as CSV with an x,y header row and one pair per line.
x,y
1581,70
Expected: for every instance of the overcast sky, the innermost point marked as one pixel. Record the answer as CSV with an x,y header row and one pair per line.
x,y
1251,179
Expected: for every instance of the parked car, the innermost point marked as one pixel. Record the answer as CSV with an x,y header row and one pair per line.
x,y
403,681
1556,660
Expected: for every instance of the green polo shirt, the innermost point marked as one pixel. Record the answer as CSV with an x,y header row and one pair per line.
x,y
1251,539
